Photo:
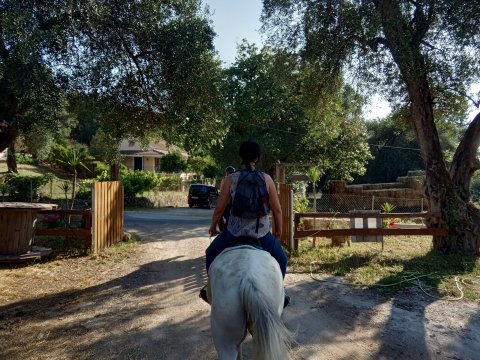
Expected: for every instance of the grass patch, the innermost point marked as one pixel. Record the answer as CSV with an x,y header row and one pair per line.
x,y
51,190
63,247
120,250
406,260
68,247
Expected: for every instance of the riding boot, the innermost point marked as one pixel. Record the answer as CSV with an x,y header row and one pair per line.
x,y
286,299
203,294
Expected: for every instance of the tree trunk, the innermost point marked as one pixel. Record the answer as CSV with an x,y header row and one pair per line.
x,y
461,218
114,172
403,41
465,162
74,187
11,159
8,134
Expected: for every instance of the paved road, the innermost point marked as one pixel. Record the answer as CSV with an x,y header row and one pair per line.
x,y
171,223
164,216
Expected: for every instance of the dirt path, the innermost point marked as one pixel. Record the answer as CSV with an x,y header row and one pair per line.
x,y
145,306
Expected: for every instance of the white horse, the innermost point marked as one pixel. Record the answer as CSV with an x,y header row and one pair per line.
x,y
246,292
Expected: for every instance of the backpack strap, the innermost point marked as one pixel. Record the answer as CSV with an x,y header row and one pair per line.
x,y
258,217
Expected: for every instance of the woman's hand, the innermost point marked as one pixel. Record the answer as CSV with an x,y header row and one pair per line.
x,y
278,234
213,230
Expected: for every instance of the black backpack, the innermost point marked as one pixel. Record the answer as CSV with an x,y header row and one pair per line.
x,y
251,199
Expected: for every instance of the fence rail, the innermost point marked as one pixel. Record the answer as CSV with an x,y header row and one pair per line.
x,y
84,231
414,230
102,226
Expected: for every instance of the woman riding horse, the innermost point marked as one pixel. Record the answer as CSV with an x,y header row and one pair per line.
x,y
240,228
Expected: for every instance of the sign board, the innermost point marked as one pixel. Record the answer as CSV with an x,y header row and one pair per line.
x,y
366,223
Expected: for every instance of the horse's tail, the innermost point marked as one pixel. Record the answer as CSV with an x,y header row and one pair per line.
x,y
272,340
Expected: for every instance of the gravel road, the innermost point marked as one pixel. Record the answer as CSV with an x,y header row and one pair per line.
x,y
146,306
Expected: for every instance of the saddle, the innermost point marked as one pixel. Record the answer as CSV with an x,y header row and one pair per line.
x,y
246,240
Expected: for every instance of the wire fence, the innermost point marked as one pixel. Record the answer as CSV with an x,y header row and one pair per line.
x,y
343,203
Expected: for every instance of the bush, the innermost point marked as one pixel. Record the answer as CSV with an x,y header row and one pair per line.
x,y
26,159
103,176
84,191
300,203
136,182
24,188
168,183
210,171
299,188
173,162
101,168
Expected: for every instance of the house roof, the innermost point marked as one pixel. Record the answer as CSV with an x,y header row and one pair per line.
x,y
161,148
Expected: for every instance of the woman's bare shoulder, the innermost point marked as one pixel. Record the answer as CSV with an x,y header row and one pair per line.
x,y
268,179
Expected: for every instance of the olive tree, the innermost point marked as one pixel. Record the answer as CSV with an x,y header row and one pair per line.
x,y
150,63
422,53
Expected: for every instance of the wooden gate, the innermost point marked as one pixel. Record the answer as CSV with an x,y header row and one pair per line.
x,y
107,209
285,194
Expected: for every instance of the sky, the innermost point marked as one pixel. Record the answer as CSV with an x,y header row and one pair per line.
x,y
234,20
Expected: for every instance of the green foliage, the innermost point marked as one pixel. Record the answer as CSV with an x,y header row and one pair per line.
x,y
103,176
272,100
300,203
25,159
70,158
203,165
147,65
23,188
65,186
3,187
313,174
393,148
357,34
299,188
173,162
86,111
106,147
84,192
168,182
475,187
39,141
101,167
388,207
137,182
210,171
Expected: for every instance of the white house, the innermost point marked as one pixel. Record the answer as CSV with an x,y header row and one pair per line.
x,y
146,159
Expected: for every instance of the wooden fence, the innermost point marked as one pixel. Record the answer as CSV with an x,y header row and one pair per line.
x,y
84,231
108,211
102,226
415,230
285,194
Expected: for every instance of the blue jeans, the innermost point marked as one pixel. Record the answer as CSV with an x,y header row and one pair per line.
x,y
226,239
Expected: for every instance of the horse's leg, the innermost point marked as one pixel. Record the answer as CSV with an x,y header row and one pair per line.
x,y
228,331
228,319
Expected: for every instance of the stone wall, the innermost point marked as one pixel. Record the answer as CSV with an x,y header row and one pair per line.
x,y
409,187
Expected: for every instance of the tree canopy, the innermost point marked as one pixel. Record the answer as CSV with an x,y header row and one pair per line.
x,y
151,62
422,53
270,99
